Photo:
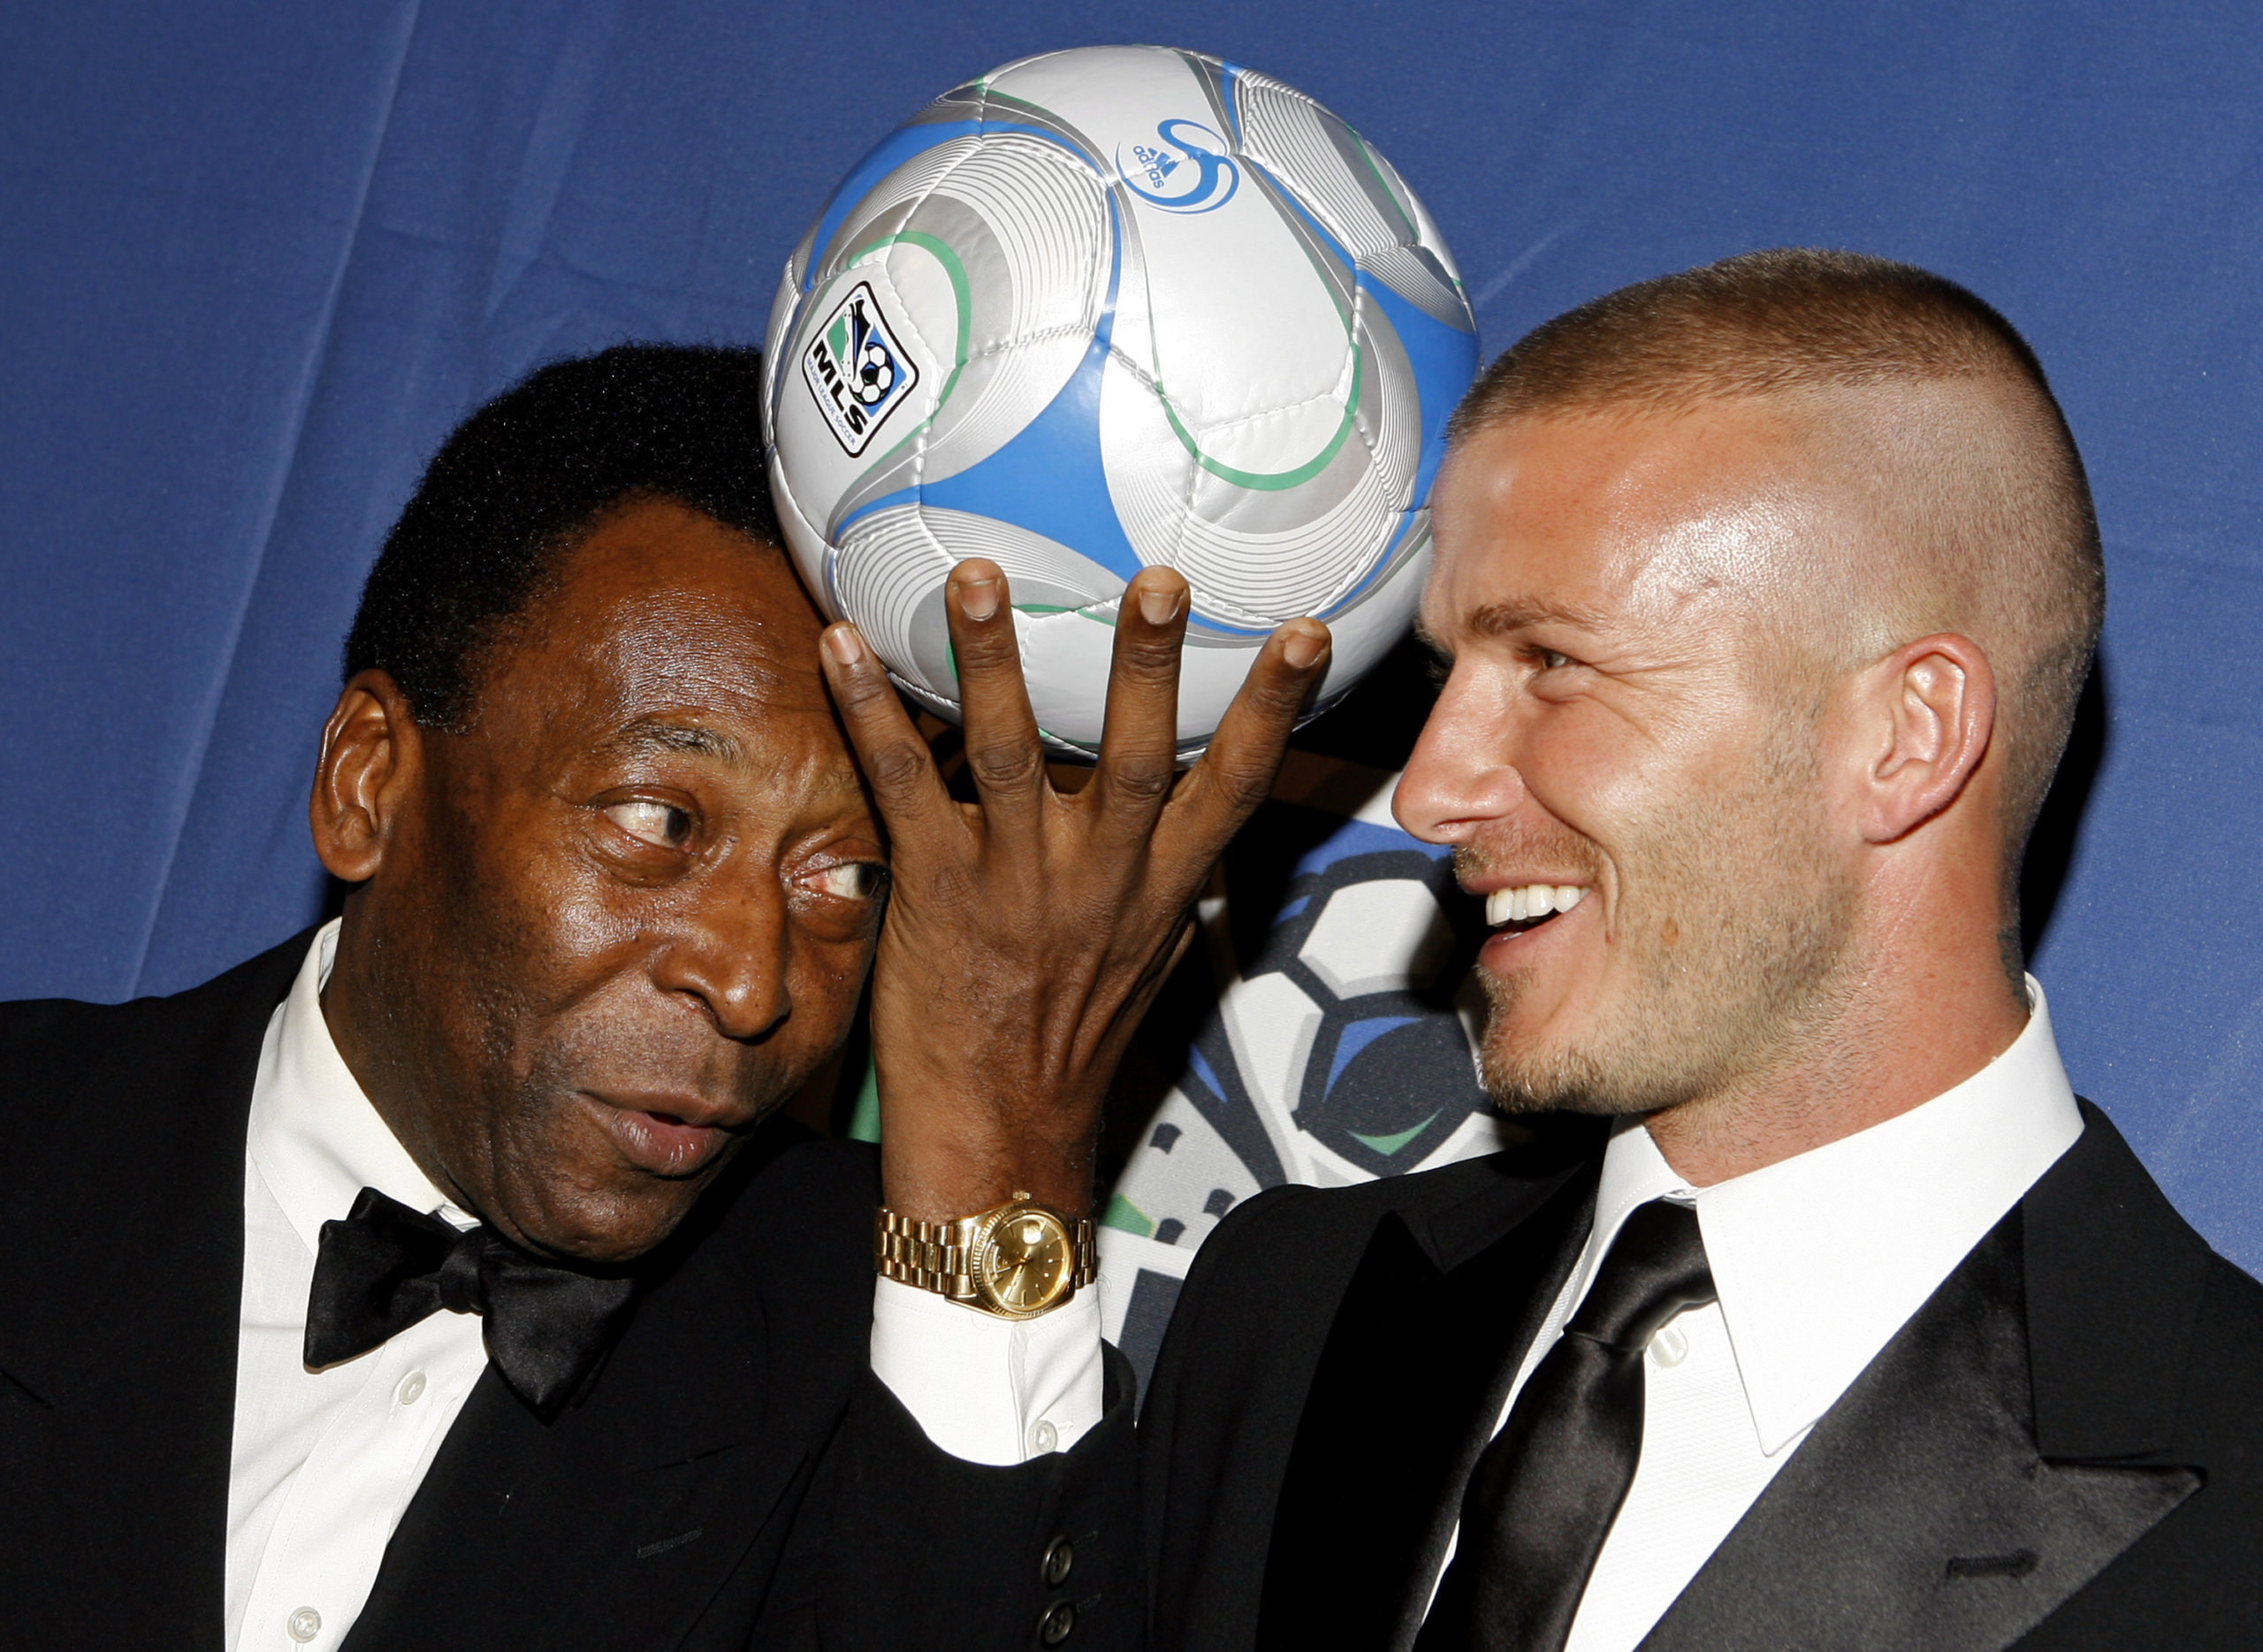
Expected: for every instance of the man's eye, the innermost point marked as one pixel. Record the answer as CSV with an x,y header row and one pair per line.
x,y
1551,660
851,880
664,826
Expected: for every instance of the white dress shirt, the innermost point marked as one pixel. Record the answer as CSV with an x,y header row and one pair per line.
x,y
1817,1259
987,1390
324,1462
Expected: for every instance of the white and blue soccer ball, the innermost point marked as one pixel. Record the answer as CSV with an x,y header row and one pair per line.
x,y
1102,309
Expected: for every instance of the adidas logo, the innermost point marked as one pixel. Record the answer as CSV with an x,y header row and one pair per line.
x,y
1157,164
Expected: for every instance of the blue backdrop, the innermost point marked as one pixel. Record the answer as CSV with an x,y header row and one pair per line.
x,y
256,258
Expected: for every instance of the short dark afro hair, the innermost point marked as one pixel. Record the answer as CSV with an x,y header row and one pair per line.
x,y
523,480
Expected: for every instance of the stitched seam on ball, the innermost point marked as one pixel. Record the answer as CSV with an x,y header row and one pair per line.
x,y
1286,408
1045,335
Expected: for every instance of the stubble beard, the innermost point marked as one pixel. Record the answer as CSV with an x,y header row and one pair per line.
x,y
1762,920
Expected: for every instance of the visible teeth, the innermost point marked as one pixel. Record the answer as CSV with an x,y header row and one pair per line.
x,y
1538,900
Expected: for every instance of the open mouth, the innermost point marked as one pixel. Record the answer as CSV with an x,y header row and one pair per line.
x,y
1528,906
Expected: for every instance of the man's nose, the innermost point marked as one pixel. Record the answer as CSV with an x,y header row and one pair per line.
x,y
731,955
1462,774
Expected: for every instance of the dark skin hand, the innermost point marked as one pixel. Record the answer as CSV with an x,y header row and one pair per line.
x,y
1028,932
604,932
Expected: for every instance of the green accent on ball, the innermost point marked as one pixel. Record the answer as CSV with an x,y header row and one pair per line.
x,y
1274,480
1127,1217
1389,1145
1042,610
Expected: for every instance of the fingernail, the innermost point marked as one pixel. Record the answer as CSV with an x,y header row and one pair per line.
x,y
1160,607
977,598
842,643
1303,646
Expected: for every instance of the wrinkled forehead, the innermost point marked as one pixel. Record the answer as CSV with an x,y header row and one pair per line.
x,y
665,613
678,643
1631,514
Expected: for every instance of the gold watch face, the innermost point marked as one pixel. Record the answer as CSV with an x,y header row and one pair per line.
x,y
1028,1263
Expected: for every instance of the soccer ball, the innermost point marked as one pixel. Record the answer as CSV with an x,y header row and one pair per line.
x,y
1106,309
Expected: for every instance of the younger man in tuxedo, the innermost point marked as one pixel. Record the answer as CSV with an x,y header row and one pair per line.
x,y
1764,593
1817,1312
416,1284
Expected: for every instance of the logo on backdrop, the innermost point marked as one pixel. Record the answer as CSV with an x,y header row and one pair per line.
x,y
856,370
1187,169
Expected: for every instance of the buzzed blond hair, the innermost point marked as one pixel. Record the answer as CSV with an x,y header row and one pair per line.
x,y
1978,512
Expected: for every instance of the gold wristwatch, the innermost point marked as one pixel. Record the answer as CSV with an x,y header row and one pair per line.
x,y
1014,1259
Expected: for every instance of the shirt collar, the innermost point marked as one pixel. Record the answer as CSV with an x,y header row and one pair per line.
x,y
314,1137
1819,1258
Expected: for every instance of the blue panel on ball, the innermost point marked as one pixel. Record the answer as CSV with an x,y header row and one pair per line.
x,y
1048,478
1445,360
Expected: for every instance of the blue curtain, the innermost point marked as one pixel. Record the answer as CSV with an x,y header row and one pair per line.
x,y
256,258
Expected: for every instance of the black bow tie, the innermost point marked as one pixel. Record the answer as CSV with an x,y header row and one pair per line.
x,y
387,1267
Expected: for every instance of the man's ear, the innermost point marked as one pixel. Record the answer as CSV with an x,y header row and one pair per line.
x,y
372,760
1929,711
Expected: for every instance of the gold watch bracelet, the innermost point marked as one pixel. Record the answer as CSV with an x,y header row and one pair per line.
x,y
938,1256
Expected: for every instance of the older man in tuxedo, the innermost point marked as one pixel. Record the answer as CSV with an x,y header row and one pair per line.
x,y
1817,1311
427,1281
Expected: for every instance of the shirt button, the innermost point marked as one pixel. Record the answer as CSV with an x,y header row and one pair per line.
x,y
303,1624
412,1387
1058,1559
1670,1347
1043,1438
1059,1619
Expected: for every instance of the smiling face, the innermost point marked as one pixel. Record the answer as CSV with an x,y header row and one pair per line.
x,y
1629,755
624,915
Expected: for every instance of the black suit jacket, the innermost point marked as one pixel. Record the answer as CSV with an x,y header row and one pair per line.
x,y
734,1475
2062,1449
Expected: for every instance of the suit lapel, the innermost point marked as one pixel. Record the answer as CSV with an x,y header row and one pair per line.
x,y
1922,1513
2114,1279
673,1479
1422,1348
119,1308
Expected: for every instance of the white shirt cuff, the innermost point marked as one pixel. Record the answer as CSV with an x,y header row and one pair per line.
x,y
987,1390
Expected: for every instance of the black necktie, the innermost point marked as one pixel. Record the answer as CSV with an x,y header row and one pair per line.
x,y
1545,1493
387,1267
